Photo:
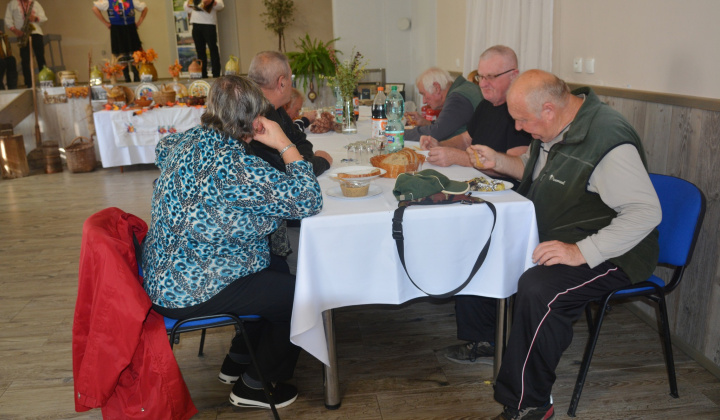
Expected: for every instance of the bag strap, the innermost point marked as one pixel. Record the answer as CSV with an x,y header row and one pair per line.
x,y
397,234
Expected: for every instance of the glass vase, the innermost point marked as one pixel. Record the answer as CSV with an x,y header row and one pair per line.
x,y
348,125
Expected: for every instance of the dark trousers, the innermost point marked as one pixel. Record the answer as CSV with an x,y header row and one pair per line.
x,y
269,294
8,66
206,35
476,318
38,52
548,301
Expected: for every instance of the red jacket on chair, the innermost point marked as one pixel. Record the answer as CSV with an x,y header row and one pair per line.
x,y
122,359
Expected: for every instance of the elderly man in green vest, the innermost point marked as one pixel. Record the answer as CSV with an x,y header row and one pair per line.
x,y
596,210
456,100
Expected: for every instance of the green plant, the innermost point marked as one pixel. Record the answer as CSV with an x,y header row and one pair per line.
x,y
348,73
312,59
278,16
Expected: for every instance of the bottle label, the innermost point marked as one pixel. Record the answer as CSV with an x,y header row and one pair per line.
x,y
395,140
378,127
339,115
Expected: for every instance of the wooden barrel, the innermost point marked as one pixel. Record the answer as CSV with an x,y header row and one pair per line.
x,y
53,163
12,157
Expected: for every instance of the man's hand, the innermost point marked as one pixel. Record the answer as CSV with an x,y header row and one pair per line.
x,y
482,157
556,252
18,33
428,142
325,155
416,119
446,156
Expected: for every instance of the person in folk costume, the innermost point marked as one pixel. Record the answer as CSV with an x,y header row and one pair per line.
x,y
15,14
124,38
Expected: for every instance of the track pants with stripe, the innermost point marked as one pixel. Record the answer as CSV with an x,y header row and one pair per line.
x,y
549,300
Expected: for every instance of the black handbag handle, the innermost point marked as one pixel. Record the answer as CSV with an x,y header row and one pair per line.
x,y
397,234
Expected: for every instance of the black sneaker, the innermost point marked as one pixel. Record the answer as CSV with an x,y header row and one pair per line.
x,y
244,396
530,413
230,371
471,352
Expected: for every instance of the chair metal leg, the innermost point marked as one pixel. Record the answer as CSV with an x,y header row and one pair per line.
x,y
669,360
587,357
266,385
202,343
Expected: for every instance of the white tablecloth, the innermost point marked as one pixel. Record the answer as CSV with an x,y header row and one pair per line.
x,y
125,139
347,255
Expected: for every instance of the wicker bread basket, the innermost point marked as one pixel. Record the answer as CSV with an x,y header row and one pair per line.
x,y
163,97
81,155
405,160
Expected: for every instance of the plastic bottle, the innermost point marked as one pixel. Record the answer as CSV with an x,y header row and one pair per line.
x,y
395,130
379,118
338,106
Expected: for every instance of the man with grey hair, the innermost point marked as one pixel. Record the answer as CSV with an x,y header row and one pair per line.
x,y
456,100
492,126
596,210
271,71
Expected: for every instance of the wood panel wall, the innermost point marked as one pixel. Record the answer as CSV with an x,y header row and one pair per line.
x,y
684,141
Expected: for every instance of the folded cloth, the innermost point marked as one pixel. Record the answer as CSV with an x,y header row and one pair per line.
x,y
425,183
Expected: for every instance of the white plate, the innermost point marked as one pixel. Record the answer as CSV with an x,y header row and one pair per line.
x,y
356,170
337,192
508,186
199,88
146,90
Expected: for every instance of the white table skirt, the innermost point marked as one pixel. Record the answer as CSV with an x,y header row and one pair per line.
x,y
119,148
347,255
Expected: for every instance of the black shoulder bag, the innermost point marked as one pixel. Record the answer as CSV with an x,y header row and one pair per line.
x,y
439,198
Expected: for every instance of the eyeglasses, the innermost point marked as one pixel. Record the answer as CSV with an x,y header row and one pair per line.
x,y
490,77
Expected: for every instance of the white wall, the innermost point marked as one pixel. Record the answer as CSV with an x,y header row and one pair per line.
x,y
371,27
668,46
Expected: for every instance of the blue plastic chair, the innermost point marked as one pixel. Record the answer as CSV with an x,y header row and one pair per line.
x,y
176,327
683,209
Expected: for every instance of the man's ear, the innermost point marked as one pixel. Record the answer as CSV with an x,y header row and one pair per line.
x,y
548,111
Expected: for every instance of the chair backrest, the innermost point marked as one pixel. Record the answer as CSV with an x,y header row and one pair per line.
x,y
683,209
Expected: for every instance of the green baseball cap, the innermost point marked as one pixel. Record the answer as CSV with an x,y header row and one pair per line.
x,y
425,183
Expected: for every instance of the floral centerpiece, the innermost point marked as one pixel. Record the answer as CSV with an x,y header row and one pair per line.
x,y
175,69
144,63
111,69
348,74
145,57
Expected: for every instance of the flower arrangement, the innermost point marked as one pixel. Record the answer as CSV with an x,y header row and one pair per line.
x,y
175,69
348,73
112,68
145,56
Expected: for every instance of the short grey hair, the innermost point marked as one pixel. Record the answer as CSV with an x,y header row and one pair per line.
x,y
506,52
434,75
232,105
267,67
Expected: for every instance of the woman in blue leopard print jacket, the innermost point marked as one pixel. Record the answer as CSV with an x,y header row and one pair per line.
x,y
213,207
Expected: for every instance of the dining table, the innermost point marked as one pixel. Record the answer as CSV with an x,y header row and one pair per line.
x,y
347,255
129,137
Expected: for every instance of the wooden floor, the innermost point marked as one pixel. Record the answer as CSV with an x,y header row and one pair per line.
x,y
391,366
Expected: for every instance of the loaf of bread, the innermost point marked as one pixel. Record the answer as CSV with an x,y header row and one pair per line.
x,y
405,160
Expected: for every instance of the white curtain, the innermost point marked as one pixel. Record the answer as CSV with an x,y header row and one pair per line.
x,y
526,26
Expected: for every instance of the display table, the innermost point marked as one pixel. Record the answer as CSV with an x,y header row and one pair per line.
x,y
347,256
127,139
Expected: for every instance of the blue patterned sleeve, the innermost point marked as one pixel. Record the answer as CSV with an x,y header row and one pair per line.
x,y
254,184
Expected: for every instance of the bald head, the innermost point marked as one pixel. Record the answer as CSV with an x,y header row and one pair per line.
x,y
534,88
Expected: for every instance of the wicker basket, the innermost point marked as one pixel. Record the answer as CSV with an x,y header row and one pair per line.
x,y
163,97
81,155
